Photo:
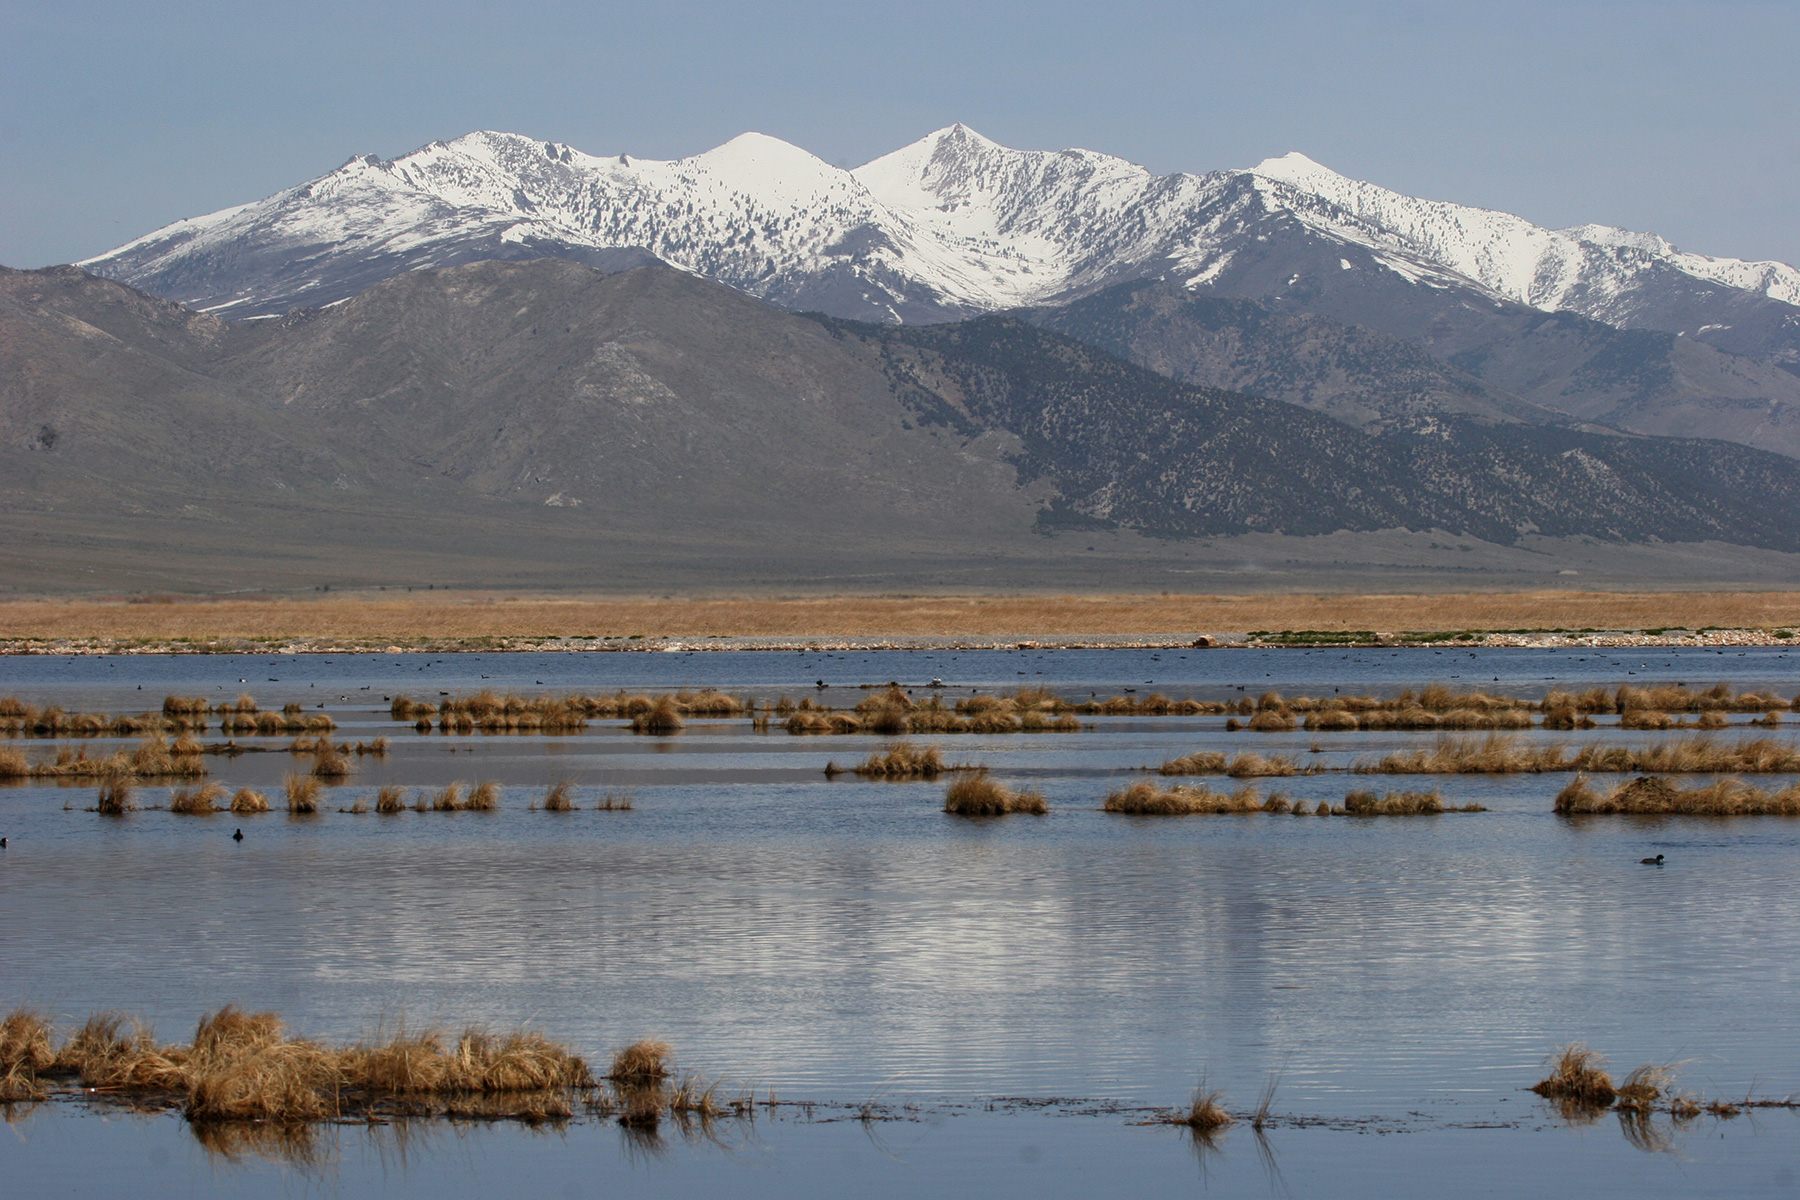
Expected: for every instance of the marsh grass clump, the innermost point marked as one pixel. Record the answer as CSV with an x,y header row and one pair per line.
x,y
1200,762
641,1063
1272,721
613,802
13,764
664,717
1650,795
1578,1076
197,801
1204,1113
1645,1085
390,798
1495,754
1401,804
1694,755
483,797
244,1067
448,799
560,797
1146,799
978,794
903,760
248,800
330,762
116,798
26,1051
303,793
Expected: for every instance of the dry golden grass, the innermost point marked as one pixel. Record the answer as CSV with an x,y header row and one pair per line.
x,y
1645,1085
1577,1075
302,793
386,618
662,718
1147,799
642,1062
13,764
390,798
1401,804
247,800
560,797
903,760
978,794
25,1043
1417,717
1692,755
245,1067
197,801
614,802
1200,762
1650,795
1204,1114
483,797
1495,754
116,799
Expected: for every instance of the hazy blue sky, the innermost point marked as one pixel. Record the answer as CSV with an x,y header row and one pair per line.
x,y
1683,118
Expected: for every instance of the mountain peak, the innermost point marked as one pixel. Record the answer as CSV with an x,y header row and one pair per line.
x,y
1293,167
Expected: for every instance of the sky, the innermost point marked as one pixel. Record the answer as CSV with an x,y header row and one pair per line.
x,y
1679,118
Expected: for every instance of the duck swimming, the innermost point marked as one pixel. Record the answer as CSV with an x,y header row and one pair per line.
x,y
1652,862
237,835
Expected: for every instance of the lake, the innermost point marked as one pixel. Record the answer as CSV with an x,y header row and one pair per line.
x,y
1020,993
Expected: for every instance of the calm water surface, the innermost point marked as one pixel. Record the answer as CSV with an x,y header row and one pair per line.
x,y
842,939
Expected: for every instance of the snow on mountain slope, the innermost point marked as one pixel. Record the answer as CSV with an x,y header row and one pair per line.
x,y
1591,269
951,225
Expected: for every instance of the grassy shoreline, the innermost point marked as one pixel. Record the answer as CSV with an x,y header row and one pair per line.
x,y
442,621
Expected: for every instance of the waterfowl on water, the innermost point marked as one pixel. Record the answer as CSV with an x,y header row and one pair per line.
x,y
1652,862
237,835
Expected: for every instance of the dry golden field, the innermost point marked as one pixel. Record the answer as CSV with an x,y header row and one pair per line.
x,y
444,618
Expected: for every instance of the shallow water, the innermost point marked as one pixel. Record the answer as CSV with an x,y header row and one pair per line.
x,y
843,939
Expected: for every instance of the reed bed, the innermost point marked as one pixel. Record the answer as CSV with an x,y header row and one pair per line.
x,y
902,760
1400,804
1495,754
1417,719
246,1067
979,794
895,722
154,758
1649,795
1694,755
1244,765
491,712
1147,799
1500,754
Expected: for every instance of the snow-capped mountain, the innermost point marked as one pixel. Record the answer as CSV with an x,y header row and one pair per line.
x,y
952,225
